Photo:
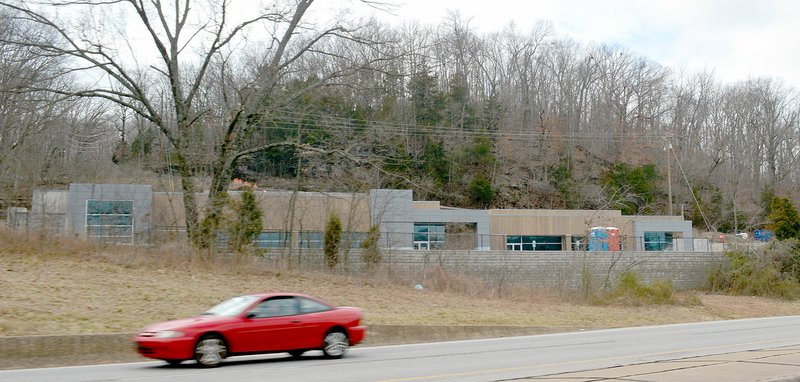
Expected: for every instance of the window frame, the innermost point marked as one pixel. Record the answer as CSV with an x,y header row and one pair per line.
x,y
657,241
94,214
433,236
529,243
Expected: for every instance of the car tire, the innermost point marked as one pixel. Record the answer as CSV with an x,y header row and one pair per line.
x,y
296,353
335,344
210,350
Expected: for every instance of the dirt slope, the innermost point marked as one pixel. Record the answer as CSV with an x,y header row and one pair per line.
x,y
72,288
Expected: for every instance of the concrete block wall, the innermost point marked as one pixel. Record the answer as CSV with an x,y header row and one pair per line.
x,y
552,270
567,270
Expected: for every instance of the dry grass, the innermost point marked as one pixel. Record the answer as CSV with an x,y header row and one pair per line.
x,y
70,286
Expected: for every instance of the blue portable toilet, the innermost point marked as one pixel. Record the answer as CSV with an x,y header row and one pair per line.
x,y
598,239
762,235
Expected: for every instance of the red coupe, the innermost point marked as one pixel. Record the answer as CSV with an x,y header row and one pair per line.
x,y
254,324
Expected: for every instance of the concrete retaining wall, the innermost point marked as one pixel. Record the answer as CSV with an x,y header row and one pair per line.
x,y
553,270
65,350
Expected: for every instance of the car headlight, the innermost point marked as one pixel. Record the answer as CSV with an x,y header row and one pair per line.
x,y
168,334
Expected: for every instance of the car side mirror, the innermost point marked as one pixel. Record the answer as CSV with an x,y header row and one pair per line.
x,y
250,315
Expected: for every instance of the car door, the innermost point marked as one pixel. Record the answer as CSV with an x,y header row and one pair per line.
x,y
313,322
271,325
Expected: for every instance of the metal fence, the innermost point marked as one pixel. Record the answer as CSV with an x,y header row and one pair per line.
x,y
468,242
433,240
421,241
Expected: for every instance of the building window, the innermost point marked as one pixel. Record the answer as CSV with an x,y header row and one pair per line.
x,y
520,243
533,243
428,236
271,240
110,221
658,241
310,239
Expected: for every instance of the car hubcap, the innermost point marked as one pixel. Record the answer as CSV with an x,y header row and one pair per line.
x,y
336,344
210,351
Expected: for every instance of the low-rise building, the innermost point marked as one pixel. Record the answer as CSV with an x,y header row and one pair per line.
x,y
136,214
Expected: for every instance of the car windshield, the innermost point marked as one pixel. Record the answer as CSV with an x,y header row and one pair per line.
x,y
231,307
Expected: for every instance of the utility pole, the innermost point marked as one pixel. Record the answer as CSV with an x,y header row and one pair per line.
x,y
669,176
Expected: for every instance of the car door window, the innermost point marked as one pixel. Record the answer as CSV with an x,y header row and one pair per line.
x,y
275,307
311,306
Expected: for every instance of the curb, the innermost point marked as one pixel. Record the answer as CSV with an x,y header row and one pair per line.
x,y
69,350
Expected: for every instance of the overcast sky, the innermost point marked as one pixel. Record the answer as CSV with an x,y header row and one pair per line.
x,y
736,39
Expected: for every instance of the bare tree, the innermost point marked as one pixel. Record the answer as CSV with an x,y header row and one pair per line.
x,y
33,125
196,87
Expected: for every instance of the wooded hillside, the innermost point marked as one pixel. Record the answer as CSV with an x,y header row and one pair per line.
x,y
507,119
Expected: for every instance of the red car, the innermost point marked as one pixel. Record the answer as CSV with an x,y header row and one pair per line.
x,y
254,324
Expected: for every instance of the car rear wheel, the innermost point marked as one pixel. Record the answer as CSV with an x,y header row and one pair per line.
x,y
335,344
210,351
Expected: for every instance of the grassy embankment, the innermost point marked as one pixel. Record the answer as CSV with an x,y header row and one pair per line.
x,y
69,286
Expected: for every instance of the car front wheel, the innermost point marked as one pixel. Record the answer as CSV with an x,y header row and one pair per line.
x,y
335,344
210,351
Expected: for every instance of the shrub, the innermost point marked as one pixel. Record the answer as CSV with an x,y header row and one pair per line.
x,y
630,290
788,255
769,274
636,186
481,191
784,216
212,224
247,223
333,239
372,251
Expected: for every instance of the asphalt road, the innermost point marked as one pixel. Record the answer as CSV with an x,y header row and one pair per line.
x,y
463,361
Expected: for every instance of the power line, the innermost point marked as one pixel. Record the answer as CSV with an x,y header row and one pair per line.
x,y
342,124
